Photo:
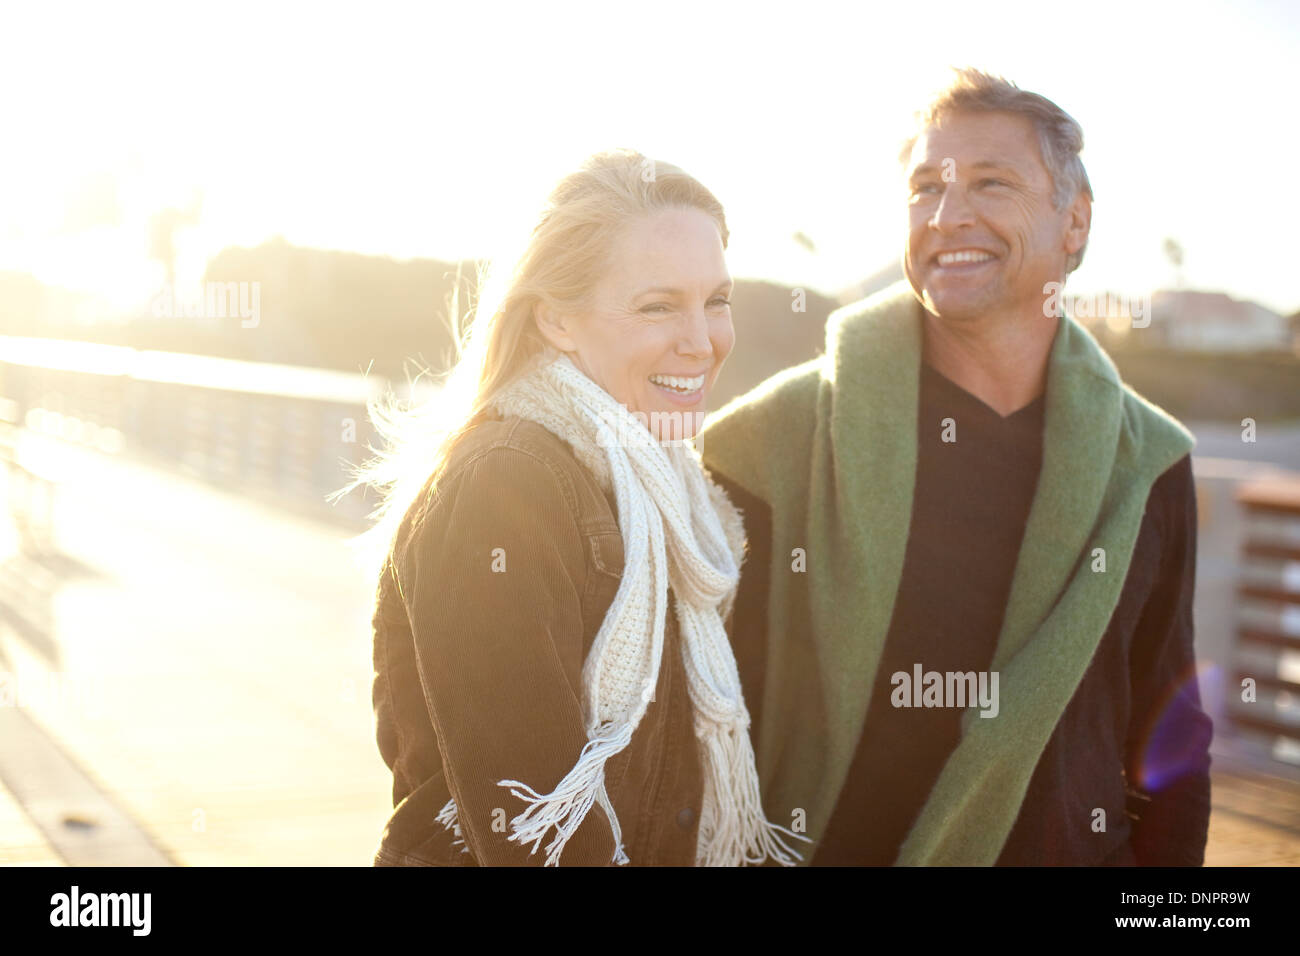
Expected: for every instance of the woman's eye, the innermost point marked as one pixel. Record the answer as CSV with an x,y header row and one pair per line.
x,y
663,308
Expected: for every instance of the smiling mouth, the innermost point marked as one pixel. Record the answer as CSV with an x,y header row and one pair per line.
x,y
679,385
962,257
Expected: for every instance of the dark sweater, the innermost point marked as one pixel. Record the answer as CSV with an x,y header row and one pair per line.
x,y
970,507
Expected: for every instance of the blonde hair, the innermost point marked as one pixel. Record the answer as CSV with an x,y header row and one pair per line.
x,y
561,262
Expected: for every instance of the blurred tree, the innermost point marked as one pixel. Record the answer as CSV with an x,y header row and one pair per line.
x,y
1174,253
162,231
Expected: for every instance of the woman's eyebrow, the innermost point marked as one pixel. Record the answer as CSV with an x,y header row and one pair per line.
x,y
672,290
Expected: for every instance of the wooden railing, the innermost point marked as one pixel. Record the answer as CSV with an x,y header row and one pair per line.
x,y
284,433
1265,697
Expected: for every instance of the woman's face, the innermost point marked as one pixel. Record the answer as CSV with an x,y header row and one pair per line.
x,y
659,327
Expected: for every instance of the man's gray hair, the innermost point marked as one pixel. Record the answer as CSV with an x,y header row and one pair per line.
x,y
1060,137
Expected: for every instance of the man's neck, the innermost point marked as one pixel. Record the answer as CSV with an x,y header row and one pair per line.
x,y
1002,363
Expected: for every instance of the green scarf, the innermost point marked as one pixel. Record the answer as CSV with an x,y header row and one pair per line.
x,y
831,446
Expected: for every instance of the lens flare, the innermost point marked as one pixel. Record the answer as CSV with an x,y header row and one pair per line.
x,y
1175,738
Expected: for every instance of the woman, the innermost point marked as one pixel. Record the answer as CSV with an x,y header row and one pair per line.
x,y
552,665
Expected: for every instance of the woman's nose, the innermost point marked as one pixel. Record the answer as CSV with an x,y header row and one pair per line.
x,y
694,339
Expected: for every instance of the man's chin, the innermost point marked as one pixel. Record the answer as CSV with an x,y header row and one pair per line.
x,y
955,306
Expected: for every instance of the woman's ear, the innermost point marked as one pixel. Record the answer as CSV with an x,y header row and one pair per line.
x,y
555,327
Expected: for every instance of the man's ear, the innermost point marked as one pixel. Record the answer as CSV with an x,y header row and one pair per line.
x,y
1078,223
555,327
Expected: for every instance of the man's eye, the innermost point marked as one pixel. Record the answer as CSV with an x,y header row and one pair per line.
x,y
657,307
718,301
924,189
992,182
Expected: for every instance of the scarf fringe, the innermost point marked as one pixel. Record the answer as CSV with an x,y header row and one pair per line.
x,y
447,817
733,827
565,807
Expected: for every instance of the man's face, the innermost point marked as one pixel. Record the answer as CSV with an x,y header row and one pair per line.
x,y
983,235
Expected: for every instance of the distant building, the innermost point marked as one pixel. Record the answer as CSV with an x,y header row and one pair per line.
x,y
1214,322
1168,318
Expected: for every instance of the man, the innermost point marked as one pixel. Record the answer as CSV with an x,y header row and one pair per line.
x,y
964,627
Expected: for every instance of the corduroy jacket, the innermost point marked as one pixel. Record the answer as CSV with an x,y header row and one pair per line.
x,y
483,618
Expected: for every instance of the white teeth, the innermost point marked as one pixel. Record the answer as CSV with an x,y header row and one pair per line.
x,y
683,385
949,258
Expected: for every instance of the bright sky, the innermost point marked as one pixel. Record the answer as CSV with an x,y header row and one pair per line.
x,y
434,130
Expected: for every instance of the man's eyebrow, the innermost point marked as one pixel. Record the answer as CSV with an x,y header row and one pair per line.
x,y
995,164
927,168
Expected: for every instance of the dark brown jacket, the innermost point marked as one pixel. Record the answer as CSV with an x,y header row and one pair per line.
x,y
478,672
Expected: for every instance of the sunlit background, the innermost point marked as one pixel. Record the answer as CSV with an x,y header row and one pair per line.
x,y
175,595
428,130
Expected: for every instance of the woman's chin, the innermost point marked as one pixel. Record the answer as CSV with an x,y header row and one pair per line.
x,y
677,424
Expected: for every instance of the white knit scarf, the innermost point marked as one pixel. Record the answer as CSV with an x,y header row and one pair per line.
x,y
681,532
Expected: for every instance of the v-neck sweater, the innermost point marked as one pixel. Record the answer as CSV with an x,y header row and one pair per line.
x,y
1134,739
975,479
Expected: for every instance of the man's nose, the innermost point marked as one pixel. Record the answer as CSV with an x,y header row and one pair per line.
x,y
954,210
